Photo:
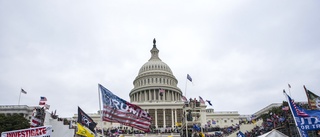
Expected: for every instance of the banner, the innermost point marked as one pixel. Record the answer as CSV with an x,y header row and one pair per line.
x,y
118,110
44,131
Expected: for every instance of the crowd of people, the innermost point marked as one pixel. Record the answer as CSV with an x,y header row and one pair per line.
x,y
279,120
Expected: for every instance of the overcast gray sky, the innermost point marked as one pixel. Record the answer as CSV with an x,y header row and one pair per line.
x,y
241,54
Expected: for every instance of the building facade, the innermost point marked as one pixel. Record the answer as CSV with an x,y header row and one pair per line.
x,y
24,110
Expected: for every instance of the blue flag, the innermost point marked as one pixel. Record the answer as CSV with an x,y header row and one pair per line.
x,y
305,119
240,134
189,78
209,102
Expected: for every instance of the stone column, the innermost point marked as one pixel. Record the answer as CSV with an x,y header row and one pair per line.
x,y
145,95
175,116
164,95
134,97
172,122
156,118
172,96
164,118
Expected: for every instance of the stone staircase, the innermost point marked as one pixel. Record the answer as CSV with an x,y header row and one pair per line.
x,y
246,127
59,129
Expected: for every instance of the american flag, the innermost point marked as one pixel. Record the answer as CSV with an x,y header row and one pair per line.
x,y
297,109
116,109
201,100
37,117
161,90
43,99
35,122
285,108
183,98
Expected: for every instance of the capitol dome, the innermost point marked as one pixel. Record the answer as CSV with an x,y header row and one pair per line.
x,y
155,81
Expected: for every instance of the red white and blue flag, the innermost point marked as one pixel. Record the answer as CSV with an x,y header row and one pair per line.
x,y
201,100
42,101
116,109
297,109
161,91
184,99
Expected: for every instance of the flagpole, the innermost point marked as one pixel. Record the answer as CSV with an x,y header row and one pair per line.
x,y
294,118
19,97
100,110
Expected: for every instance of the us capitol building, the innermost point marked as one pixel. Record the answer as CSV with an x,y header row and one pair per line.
x,y
166,108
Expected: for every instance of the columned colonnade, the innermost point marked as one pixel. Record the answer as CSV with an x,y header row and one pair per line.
x,y
163,118
154,95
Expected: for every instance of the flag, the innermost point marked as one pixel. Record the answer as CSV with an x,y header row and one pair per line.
x,y
35,122
313,99
213,122
285,108
201,100
161,91
298,111
240,134
116,109
209,102
183,98
189,78
43,99
81,130
37,117
24,92
304,119
85,120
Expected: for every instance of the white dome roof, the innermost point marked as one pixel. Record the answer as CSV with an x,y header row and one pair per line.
x,y
155,74
155,64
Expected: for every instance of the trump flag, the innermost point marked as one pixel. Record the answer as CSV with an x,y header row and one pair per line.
x,y
116,109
